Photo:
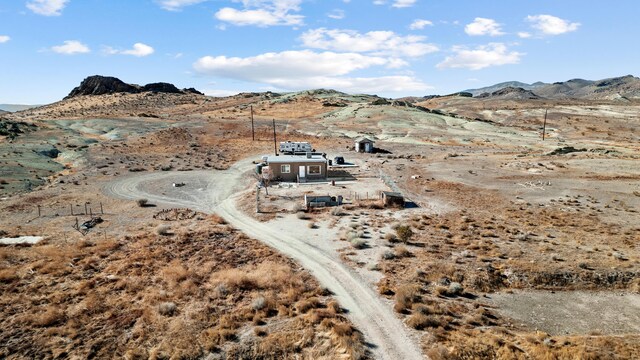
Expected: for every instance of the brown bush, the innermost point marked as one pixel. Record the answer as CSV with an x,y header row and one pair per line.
x,y
420,321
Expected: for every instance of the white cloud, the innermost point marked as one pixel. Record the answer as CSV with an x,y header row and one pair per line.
x,y
483,26
493,54
337,14
296,70
396,3
263,13
176,5
71,47
138,50
47,7
403,3
420,24
384,43
287,64
524,35
4,38
551,25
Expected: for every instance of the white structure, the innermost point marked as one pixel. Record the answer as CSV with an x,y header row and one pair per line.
x,y
290,147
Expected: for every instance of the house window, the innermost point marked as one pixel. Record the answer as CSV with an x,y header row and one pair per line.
x,y
285,169
314,170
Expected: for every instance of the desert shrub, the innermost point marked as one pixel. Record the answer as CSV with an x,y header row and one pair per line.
x,y
358,243
298,208
8,275
303,216
337,211
420,321
455,289
390,237
259,303
163,230
50,317
167,308
387,255
402,251
307,304
406,295
404,233
142,202
312,225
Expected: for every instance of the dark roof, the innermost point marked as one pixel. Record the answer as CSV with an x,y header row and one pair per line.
x,y
363,140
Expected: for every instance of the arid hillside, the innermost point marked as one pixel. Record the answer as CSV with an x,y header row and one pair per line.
x,y
495,217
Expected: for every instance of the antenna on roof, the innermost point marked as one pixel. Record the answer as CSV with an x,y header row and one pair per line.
x,y
275,145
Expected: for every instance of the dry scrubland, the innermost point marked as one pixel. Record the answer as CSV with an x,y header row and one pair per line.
x,y
203,288
497,213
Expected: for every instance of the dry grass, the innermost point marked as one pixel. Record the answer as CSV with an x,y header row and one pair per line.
x,y
175,297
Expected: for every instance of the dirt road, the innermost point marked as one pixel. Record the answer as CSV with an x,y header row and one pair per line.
x,y
216,191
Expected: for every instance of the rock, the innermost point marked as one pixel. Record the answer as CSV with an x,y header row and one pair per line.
x,y
162,88
100,85
565,150
333,104
191,91
380,101
52,153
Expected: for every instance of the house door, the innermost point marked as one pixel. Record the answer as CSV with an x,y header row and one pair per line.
x,y
302,172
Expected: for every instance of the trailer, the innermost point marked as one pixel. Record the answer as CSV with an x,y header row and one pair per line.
x,y
291,147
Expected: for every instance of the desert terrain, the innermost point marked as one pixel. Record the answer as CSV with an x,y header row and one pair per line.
x,y
512,247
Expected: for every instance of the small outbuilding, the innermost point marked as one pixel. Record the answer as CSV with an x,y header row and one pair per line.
x,y
297,168
392,199
364,144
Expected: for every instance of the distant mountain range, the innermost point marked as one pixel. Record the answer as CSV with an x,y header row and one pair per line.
x,y
15,107
514,84
618,88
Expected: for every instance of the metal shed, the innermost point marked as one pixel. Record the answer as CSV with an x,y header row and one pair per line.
x,y
392,199
364,145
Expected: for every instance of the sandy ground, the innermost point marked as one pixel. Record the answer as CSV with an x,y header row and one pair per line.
x,y
207,191
572,312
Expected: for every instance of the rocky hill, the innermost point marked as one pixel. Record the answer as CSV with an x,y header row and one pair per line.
x,y
618,88
510,93
101,85
513,84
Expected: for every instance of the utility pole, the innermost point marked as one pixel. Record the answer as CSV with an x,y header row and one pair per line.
x,y
275,145
253,132
544,125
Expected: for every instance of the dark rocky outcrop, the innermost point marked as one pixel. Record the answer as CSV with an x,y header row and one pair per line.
x,y
380,101
101,85
162,87
192,91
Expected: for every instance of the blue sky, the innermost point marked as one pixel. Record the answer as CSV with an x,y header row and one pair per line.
x,y
387,47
